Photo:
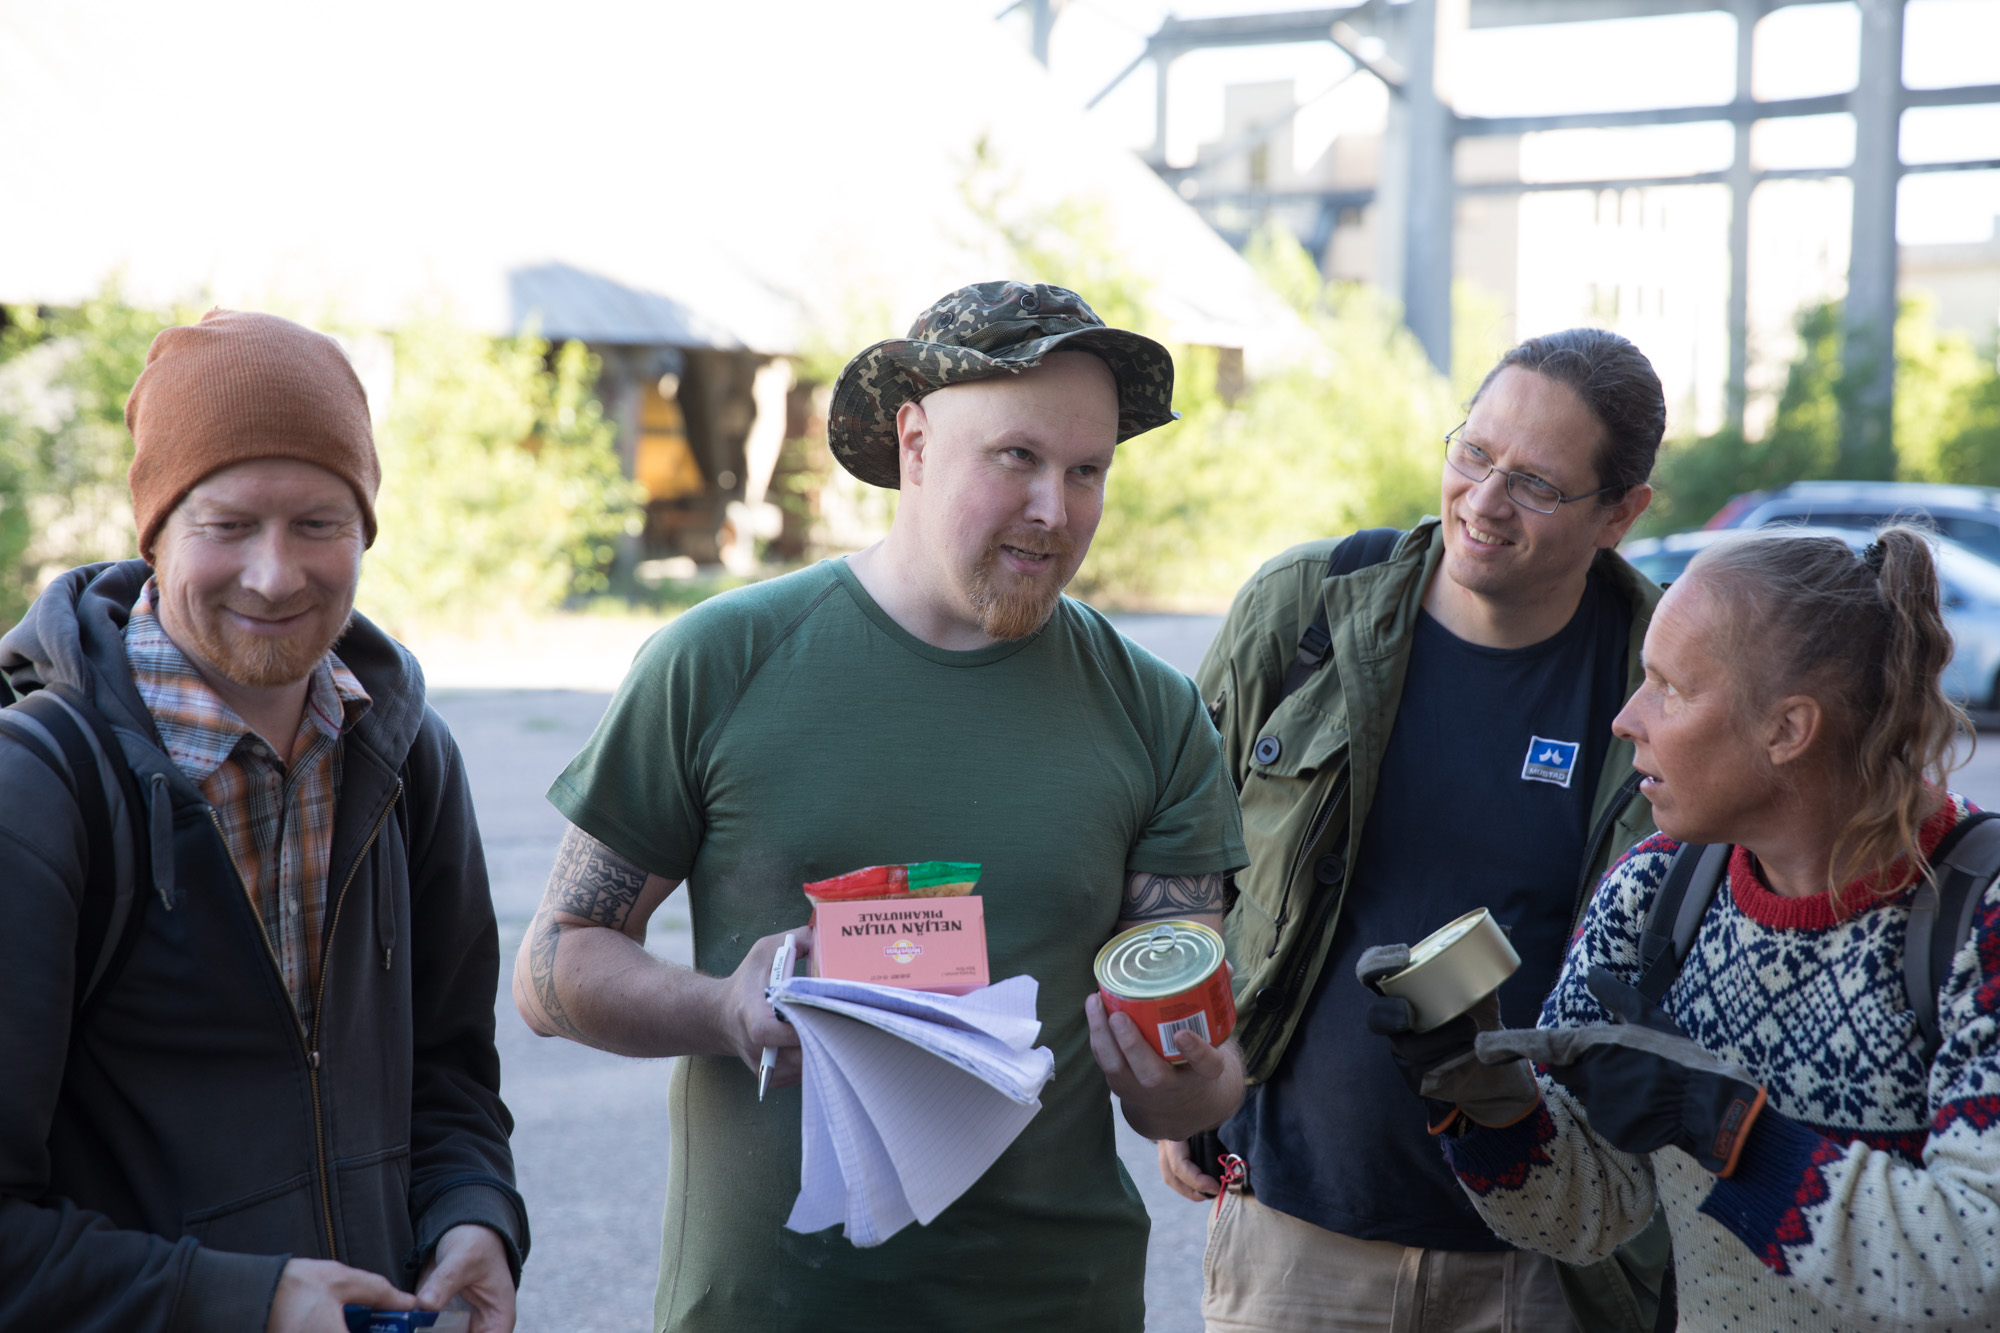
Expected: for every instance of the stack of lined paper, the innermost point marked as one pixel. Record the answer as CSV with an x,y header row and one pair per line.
x,y
909,1096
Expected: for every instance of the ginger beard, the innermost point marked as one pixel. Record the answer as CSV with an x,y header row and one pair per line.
x,y
1011,605
266,661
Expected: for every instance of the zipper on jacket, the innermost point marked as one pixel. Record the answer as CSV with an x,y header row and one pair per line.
x,y
1595,844
298,1025
308,1040
319,1011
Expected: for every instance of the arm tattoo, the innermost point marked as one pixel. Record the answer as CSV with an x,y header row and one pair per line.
x,y
592,881
1149,896
547,933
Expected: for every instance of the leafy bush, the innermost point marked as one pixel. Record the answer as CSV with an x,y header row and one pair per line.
x,y
64,450
501,488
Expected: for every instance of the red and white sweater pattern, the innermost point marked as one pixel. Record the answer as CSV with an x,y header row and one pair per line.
x,y
1868,1192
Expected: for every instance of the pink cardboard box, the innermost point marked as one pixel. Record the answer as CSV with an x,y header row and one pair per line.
x,y
936,944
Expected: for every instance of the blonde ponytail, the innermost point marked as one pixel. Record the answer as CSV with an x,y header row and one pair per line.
x,y
1864,635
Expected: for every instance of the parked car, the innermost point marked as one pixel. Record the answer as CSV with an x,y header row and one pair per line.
x,y
1969,515
1970,584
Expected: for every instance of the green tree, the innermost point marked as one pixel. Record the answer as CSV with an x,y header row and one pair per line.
x,y
1947,421
1971,453
64,451
1947,412
501,488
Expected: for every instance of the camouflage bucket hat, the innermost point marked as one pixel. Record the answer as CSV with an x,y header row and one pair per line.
x,y
975,333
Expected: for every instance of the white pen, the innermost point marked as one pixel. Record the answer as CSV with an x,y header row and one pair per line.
x,y
781,968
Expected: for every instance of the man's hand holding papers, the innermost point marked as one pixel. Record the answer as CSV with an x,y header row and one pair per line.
x,y
742,1016
909,1096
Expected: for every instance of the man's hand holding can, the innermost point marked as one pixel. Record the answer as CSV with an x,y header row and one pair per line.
x,y
1162,1100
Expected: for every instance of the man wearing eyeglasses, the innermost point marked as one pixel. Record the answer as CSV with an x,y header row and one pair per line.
x,y
1452,750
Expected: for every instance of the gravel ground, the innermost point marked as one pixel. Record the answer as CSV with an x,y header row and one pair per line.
x,y
591,1129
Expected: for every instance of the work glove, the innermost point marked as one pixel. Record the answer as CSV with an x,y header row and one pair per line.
x,y
1441,1066
1643,1084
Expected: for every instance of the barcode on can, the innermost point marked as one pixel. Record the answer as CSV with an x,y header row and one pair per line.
x,y
1196,1022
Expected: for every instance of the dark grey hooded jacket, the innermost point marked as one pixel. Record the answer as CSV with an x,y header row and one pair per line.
x,y
160,1163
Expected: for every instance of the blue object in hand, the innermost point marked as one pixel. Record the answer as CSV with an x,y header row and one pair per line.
x,y
361,1319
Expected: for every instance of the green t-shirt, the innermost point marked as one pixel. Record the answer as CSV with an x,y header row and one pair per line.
x,y
792,731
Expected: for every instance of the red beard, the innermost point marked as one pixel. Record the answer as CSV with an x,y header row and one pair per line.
x,y
1013,606
257,661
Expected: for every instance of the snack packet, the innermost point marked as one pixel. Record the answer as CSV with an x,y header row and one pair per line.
x,y
917,879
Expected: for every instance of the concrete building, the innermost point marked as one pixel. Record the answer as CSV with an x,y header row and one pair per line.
x,y
1635,256
1964,281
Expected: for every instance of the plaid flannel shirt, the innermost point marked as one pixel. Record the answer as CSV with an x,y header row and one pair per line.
x,y
276,818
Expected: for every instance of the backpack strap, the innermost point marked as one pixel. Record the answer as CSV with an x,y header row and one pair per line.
x,y
51,724
1359,550
1588,875
76,764
1963,864
1694,875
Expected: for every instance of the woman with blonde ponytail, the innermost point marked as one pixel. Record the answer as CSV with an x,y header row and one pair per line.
x,y
1819,1166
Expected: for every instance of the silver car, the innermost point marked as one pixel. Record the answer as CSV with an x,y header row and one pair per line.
x,y
1969,515
1970,584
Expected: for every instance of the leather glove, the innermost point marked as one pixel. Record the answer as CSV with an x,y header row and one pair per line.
x,y
1441,1066
1643,1087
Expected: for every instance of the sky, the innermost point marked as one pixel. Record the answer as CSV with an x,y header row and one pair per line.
x,y
1803,50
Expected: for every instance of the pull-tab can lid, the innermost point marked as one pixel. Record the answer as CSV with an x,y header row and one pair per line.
x,y
1153,961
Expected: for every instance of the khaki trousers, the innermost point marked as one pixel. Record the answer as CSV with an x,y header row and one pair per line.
x,y
1269,1272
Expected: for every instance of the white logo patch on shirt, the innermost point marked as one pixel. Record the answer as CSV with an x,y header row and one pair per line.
x,y
1550,761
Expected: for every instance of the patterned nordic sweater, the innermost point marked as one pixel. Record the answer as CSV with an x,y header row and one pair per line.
x,y
1871,1198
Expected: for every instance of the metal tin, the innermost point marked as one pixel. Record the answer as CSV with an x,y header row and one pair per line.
x,y
1168,976
1453,968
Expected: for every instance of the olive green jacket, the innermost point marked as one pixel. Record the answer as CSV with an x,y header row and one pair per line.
x,y
1307,791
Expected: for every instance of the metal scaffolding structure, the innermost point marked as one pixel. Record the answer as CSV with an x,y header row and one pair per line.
x,y
1417,189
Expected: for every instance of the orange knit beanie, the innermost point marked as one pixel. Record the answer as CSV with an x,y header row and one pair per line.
x,y
238,386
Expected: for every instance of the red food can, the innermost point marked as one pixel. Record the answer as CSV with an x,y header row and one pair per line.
x,y
1169,977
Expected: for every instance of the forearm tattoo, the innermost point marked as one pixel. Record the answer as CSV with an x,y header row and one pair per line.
x,y
546,934
589,881
593,882
1149,897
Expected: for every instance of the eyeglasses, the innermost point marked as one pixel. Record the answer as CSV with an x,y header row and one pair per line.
x,y
1523,488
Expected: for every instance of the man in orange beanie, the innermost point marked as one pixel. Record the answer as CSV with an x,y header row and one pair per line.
x,y
250,959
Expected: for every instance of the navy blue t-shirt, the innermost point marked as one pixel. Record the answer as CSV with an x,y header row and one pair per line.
x,y
1484,800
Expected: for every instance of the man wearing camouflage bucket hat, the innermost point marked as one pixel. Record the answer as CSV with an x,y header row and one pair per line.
x,y
933,697
978,332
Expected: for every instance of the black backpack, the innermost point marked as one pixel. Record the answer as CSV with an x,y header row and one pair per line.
x,y
1369,546
1967,859
63,730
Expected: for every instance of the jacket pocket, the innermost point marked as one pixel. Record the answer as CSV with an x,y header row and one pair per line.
x,y
372,1208
278,1219
1293,765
